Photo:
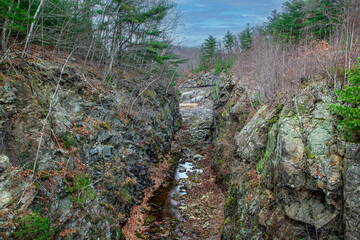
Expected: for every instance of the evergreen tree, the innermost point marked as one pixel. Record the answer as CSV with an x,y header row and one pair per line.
x,y
300,18
208,52
350,109
229,42
245,38
137,33
272,24
13,19
322,17
291,22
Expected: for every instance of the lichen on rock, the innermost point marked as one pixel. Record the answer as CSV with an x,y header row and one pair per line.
x,y
288,170
95,153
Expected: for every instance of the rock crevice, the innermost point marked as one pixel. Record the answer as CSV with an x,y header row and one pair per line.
x,y
292,175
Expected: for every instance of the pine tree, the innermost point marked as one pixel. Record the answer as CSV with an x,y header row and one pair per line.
x,y
292,20
245,38
350,109
300,18
208,52
136,32
273,21
322,17
229,42
13,17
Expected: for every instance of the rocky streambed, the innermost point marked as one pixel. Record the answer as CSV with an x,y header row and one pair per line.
x,y
189,205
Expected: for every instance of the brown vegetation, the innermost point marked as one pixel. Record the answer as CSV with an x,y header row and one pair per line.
x,y
138,213
206,202
270,69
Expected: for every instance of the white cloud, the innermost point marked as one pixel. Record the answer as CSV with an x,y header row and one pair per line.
x,y
216,17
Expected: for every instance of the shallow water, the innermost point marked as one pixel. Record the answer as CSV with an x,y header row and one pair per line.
x,y
167,202
173,203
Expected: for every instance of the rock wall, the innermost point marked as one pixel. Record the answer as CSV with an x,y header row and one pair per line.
x,y
95,156
286,169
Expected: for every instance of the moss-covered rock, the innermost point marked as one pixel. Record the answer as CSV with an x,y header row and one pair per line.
x,y
95,154
287,172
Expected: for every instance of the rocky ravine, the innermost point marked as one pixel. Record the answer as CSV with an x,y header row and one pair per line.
x,y
96,155
286,169
189,205
203,202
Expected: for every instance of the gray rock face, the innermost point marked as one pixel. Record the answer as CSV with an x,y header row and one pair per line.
x,y
352,191
7,103
293,171
201,79
4,166
5,195
251,140
95,156
5,198
193,96
311,212
196,108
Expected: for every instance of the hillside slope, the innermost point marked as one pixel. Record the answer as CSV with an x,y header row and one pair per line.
x,y
95,151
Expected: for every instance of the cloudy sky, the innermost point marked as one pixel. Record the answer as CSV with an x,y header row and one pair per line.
x,y
202,18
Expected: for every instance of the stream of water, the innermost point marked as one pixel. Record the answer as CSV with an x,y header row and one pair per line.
x,y
168,202
174,201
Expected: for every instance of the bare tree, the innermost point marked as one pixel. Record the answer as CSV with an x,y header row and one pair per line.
x,y
32,27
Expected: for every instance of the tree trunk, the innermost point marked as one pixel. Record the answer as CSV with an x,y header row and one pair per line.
x,y
32,28
4,43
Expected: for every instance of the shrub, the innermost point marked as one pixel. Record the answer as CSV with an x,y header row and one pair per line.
x,y
123,196
214,91
34,226
68,140
81,190
349,110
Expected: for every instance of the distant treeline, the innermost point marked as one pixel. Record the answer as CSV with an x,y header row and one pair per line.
x,y
299,21
307,38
